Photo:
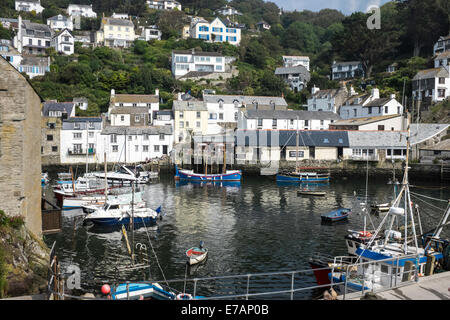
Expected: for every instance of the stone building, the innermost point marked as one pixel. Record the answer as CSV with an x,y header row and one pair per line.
x,y
20,148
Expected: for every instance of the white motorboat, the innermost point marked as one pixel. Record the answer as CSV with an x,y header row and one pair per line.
x,y
117,213
125,175
99,200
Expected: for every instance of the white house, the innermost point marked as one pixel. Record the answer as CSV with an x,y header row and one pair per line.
x,y
34,66
432,85
64,42
328,100
346,70
115,33
294,61
219,30
10,54
262,25
223,110
120,16
185,61
370,105
296,78
150,33
442,59
60,22
443,44
132,109
81,103
164,4
32,38
163,118
228,11
394,122
81,10
80,140
135,144
286,119
29,6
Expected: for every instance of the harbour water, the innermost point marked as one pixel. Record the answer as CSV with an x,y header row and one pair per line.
x,y
260,226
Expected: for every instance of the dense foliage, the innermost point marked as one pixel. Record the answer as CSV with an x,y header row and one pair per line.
x,y
408,31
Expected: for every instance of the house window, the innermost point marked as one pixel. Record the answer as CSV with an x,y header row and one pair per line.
x,y
220,116
54,149
130,138
113,139
386,109
441,93
198,124
235,116
441,80
181,124
274,123
325,140
49,137
370,110
198,115
145,136
137,118
145,148
161,136
355,112
380,128
136,148
91,134
181,115
187,124
66,48
122,118
260,123
77,135
306,123
115,148
321,122
156,148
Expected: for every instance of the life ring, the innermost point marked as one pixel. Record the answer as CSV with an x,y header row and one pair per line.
x,y
365,234
184,296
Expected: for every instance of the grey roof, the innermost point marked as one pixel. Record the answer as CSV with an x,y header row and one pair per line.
x,y
153,130
395,139
57,106
228,99
378,102
329,92
38,27
431,73
198,53
56,18
189,105
281,138
129,110
35,61
290,70
291,114
347,63
69,124
119,22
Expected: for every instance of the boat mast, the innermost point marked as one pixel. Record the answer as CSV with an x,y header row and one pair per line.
x,y
296,152
73,183
87,149
106,179
225,156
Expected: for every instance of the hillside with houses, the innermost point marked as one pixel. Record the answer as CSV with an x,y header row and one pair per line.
x,y
159,74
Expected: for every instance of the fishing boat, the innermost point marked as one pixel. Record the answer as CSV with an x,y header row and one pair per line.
x,y
141,291
117,213
82,186
196,254
398,257
229,175
311,193
126,175
336,215
381,207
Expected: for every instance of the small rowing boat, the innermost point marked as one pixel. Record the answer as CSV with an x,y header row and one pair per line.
x,y
196,254
311,193
336,215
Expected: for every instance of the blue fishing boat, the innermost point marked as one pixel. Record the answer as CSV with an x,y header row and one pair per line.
x,y
229,175
138,291
336,215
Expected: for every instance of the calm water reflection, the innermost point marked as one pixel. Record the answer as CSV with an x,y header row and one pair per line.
x,y
258,226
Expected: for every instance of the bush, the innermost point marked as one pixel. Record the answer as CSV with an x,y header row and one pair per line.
x,y
13,222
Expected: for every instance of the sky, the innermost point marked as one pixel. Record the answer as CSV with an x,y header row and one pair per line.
x,y
347,7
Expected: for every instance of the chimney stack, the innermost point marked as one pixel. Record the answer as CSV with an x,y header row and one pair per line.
x,y
156,92
314,90
375,93
113,92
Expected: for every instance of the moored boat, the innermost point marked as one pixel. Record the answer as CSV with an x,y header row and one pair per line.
x,y
303,176
196,254
336,215
126,175
141,291
230,175
311,193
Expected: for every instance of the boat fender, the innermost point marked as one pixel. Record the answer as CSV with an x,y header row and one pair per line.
x,y
365,234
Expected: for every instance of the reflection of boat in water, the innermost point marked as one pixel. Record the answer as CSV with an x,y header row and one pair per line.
x,y
311,193
311,185
235,184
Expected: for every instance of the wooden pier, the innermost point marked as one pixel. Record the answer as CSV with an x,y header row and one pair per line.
x,y
435,287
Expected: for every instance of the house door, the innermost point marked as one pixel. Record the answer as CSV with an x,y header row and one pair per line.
x,y
340,152
283,154
164,149
312,152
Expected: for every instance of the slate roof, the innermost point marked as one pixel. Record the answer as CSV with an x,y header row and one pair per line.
x,y
292,70
129,110
431,73
57,106
291,114
281,138
198,53
378,102
441,146
69,123
151,130
363,121
135,98
118,22
189,105
248,100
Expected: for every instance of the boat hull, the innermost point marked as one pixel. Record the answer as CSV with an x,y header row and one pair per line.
x,y
124,221
302,178
234,175
196,255
336,215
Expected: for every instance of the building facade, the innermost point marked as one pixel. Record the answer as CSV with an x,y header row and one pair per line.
x,y
164,5
218,30
294,61
60,22
296,78
79,10
346,70
29,6
186,61
115,33
64,42
190,118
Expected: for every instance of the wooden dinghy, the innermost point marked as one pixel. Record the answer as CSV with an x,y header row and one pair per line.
x,y
196,254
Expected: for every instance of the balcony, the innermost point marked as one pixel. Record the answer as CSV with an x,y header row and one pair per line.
x,y
79,152
364,158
